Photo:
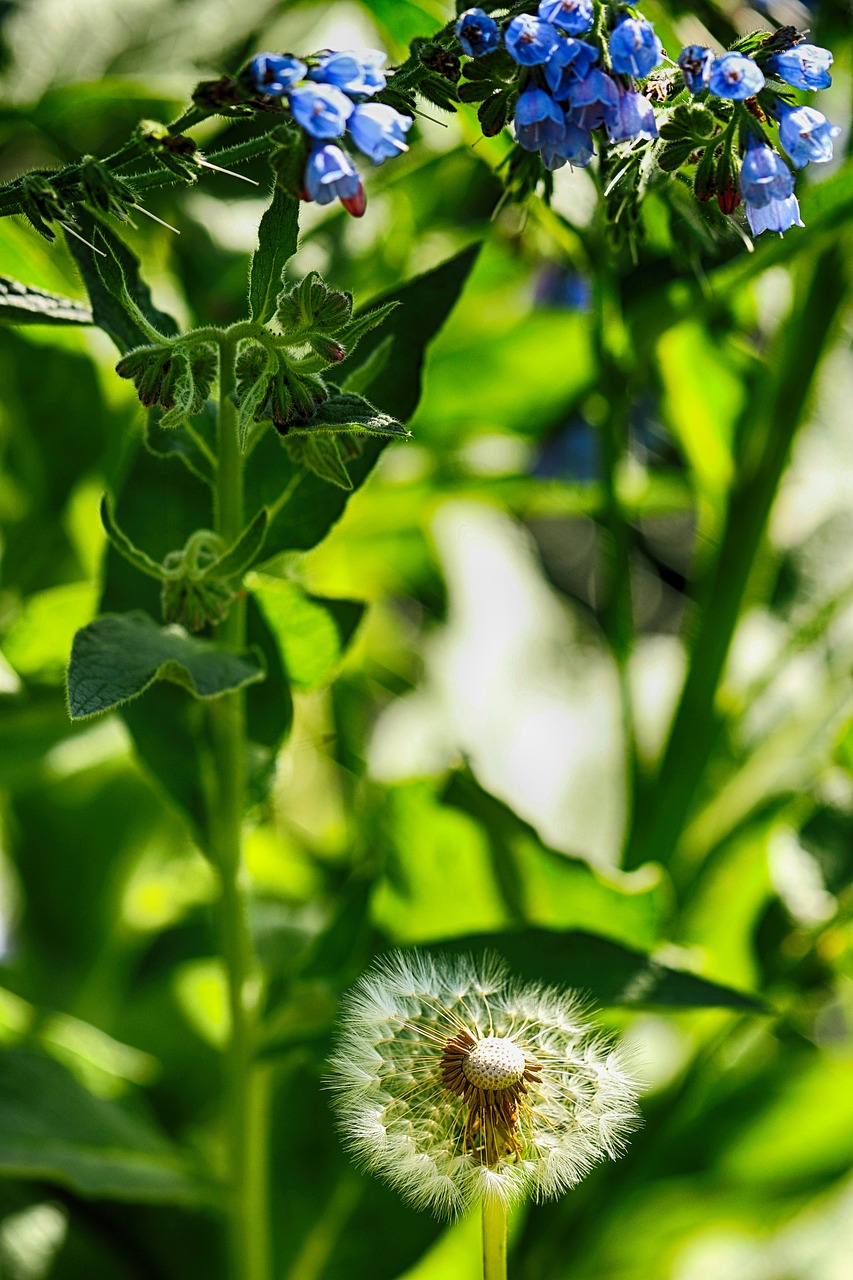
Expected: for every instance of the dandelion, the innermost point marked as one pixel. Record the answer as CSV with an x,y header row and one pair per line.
x,y
460,1086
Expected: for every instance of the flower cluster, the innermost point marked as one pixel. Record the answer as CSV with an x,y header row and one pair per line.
x,y
457,1085
573,86
766,183
330,98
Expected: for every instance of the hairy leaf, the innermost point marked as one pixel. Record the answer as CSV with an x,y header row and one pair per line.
x,y
118,656
24,304
277,239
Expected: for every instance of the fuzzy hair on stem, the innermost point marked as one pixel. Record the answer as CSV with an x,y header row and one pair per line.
x,y
459,1085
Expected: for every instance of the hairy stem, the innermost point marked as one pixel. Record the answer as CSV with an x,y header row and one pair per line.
x,y
246,1091
494,1240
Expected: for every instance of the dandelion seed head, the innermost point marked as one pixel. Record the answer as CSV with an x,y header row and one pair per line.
x,y
457,1084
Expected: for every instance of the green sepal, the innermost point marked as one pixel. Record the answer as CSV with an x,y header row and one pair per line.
x,y
312,303
688,120
352,333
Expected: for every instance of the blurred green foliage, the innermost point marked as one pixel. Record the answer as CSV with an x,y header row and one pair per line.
x,y
597,711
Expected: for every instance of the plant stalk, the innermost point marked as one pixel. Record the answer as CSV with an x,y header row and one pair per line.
x,y
494,1240
246,1093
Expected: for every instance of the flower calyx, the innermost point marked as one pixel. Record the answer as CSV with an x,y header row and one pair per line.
x,y
177,376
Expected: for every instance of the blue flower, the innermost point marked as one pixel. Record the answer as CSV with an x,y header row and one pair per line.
x,y
275,73
695,63
538,120
764,176
353,72
330,175
477,33
736,77
805,134
573,16
379,131
594,99
529,41
634,117
634,47
570,62
776,215
321,109
805,67
575,147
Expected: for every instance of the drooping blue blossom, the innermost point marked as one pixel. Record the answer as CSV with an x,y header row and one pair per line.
x,y
805,134
575,147
357,73
331,175
477,33
764,176
275,73
634,47
594,99
321,109
530,41
539,121
570,62
378,130
736,77
695,63
633,118
804,67
776,215
572,16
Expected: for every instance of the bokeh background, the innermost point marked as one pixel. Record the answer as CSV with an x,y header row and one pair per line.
x,y
597,520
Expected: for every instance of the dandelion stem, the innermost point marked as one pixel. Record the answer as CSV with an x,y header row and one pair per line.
x,y
494,1239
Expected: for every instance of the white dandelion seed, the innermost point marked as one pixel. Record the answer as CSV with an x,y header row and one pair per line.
x,y
459,1085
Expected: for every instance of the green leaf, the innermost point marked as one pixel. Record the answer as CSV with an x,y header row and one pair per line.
x,y
320,455
344,411
122,269
611,973
312,632
24,304
53,1130
117,657
125,547
358,380
237,559
425,304
277,239
352,333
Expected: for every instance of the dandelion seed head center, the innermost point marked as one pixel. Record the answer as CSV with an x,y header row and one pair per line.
x,y
494,1063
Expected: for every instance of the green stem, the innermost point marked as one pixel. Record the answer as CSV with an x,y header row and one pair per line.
x,y
494,1240
247,1088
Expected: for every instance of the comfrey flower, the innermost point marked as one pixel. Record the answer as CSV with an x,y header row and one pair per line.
x,y
634,118
575,148
477,33
321,109
538,120
331,175
570,62
776,215
460,1086
594,99
806,66
358,73
572,16
275,73
530,41
805,134
695,62
378,130
764,176
736,77
634,47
